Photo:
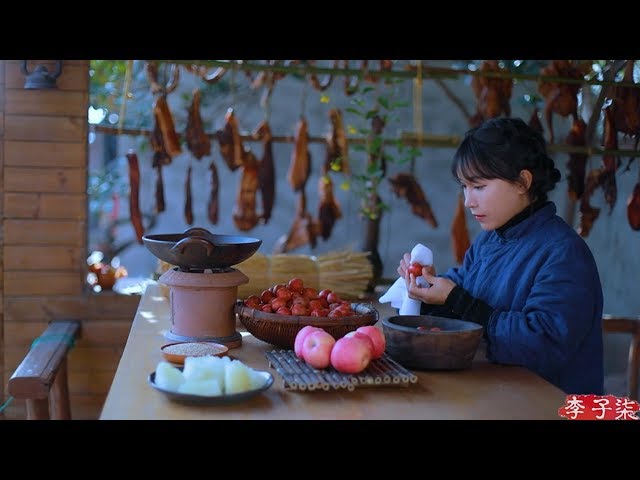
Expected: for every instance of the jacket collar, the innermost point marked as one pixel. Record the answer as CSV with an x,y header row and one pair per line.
x,y
530,217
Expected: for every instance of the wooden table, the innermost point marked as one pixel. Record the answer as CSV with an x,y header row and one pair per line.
x,y
485,391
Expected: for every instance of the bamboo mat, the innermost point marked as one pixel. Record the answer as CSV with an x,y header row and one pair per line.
x,y
300,376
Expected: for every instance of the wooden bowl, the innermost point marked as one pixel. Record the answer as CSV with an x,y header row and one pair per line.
x,y
178,351
431,343
281,330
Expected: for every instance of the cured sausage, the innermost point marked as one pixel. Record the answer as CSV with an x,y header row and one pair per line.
x,y
459,232
188,202
134,195
160,204
212,205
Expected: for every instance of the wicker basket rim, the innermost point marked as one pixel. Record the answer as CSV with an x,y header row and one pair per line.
x,y
368,315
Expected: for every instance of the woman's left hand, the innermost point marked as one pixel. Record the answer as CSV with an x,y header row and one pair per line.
x,y
436,294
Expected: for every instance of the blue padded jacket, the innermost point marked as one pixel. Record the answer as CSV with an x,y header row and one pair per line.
x,y
543,283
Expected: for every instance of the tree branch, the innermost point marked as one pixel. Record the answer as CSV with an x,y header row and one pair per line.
x,y
453,97
609,75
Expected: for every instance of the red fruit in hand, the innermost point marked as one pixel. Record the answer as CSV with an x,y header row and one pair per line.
x,y
415,269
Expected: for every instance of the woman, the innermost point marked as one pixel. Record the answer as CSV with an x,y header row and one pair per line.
x,y
529,279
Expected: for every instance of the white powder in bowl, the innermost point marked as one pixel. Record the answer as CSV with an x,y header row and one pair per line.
x,y
194,349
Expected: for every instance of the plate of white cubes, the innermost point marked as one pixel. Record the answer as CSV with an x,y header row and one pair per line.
x,y
209,380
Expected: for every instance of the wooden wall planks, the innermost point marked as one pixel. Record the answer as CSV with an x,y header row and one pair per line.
x,y
43,234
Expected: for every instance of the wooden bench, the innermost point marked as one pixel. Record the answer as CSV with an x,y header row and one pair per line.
x,y
629,325
41,378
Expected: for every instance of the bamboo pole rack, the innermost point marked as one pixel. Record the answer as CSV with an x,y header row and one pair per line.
x,y
407,138
410,72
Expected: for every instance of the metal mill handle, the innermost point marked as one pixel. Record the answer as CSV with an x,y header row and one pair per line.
x,y
198,232
191,241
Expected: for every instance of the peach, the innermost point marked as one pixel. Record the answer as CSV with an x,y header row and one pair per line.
x,y
377,337
317,348
350,355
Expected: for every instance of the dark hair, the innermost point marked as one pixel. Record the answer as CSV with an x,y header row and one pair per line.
x,y
503,147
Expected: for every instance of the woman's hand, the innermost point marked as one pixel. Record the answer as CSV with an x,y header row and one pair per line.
x,y
436,294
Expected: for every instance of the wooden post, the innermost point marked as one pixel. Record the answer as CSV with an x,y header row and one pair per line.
x,y
371,240
59,395
634,366
629,325
37,409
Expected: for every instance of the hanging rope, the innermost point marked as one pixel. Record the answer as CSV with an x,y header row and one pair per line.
x,y
417,109
232,88
266,100
303,98
125,95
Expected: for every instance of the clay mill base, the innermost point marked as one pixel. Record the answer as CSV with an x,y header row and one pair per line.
x,y
202,305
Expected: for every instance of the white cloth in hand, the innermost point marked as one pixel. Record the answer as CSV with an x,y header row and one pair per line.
x,y
397,293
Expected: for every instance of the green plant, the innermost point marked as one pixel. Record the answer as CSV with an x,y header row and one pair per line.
x,y
374,111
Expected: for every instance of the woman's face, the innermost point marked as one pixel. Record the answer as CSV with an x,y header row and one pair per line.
x,y
493,202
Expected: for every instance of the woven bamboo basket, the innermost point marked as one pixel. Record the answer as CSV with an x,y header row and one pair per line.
x,y
281,330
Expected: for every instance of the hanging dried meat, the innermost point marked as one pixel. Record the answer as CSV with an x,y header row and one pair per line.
x,y
188,200
230,142
319,84
159,159
633,208
610,161
160,203
459,232
213,205
167,127
300,165
561,98
329,209
405,185
587,213
577,162
244,213
134,195
625,102
625,107
492,94
303,231
197,140
161,110
534,122
337,159
266,170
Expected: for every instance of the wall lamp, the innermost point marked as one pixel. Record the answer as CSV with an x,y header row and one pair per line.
x,y
40,77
